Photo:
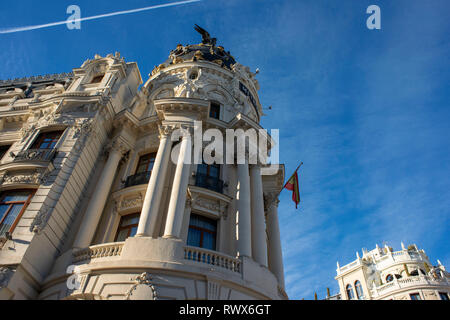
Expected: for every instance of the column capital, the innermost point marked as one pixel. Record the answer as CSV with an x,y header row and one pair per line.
x,y
117,145
271,200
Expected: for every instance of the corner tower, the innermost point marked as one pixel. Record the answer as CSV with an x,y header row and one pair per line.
x,y
132,218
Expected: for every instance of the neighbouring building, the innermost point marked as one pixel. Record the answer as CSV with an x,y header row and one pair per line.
x,y
385,274
91,205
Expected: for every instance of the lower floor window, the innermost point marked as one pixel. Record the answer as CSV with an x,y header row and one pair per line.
x,y
415,296
12,206
444,295
127,227
202,232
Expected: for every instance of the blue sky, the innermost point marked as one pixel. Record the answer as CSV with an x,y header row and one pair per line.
x,y
367,111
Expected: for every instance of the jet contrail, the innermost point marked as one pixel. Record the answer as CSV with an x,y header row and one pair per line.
x,y
47,25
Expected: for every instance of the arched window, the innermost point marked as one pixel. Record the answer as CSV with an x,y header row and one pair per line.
x,y
350,294
359,290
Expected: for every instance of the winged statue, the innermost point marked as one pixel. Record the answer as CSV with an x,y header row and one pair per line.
x,y
206,38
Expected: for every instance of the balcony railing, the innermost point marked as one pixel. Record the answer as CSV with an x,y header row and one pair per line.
x,y
204,181
212,258
99,251
411,281
35,155
137,179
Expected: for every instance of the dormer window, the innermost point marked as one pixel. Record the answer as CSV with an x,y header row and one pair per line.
x,y
98,78
214,111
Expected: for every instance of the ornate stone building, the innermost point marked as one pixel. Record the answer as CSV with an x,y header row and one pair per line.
x,y
91,207
385,274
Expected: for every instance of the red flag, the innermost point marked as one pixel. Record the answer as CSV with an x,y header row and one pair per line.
x,y
292,185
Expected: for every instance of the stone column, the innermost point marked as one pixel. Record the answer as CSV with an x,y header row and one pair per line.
x,y
259,242
97,202
177,202
152,200
243,206
273,233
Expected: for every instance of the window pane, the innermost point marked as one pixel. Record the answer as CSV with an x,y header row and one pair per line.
x,y
443,295
194,237
130,220
16,197
202,168
209,241
122,235
203,223
3,209
10,218
214,171
133,231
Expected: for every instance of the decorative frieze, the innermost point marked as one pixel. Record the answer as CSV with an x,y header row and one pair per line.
x,y
35,177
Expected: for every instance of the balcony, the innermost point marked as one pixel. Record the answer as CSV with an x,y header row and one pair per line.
x,y
405,283
211,183
212,258
35,155
138,179
106,250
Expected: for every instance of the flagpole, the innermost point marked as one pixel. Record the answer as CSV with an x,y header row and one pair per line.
x,y
273,200
288,180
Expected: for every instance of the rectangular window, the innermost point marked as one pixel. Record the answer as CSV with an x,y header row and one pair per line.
x,y
202,232
214,111
47,140
415,296
127,227
444,296
146,163
209,170
12,206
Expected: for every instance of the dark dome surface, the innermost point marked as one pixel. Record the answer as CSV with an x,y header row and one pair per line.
x,y
199,52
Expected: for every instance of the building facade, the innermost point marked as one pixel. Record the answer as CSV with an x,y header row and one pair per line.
x,y
385,274
96,203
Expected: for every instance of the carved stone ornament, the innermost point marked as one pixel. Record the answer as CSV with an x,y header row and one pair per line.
x,y
143,289
130,203
6,274
40,220
24,177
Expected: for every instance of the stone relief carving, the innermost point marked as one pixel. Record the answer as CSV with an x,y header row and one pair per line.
x,y
143,289
38,176
129,203
41,219
210,205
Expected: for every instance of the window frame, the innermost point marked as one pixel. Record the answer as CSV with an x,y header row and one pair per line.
x,y
129,227
415,294
140,160
445,294
25,203
218,111
203,230
41,136
359,295
349,288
